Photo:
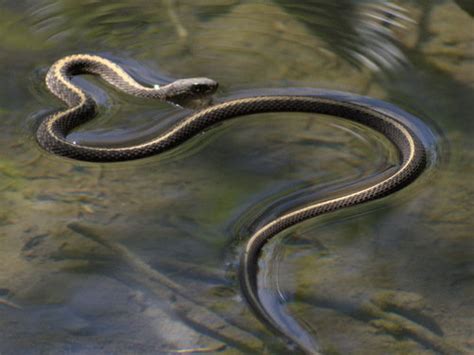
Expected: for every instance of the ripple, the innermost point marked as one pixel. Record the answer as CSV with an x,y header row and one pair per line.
x,y
359,31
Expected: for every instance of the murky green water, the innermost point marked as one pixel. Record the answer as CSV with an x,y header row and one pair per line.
x,y
141,257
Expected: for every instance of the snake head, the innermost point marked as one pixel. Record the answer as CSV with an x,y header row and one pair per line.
x,y
183,91
202,86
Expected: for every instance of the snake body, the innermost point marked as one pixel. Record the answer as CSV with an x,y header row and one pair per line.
x,y
52,132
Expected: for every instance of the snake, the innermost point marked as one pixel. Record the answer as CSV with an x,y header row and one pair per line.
x,y
53,130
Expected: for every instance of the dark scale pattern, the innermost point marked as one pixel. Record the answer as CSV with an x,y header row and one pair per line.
x,y
52,133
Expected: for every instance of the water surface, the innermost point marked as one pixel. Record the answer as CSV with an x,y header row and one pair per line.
x,y
141,257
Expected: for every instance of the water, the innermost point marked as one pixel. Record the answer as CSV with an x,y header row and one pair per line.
x,y
86,250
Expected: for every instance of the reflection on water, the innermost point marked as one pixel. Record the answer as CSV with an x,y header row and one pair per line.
x,y
141,256
357,31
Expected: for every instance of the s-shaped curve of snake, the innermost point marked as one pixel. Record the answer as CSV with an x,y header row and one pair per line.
x,y
52,132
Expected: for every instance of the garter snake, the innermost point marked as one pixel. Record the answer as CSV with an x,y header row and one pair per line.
x,y
52,132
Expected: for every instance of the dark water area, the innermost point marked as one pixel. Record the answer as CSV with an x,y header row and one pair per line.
x,y
142,256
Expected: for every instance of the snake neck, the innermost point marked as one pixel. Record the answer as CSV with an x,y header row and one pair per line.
x,y
61,72
179,91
